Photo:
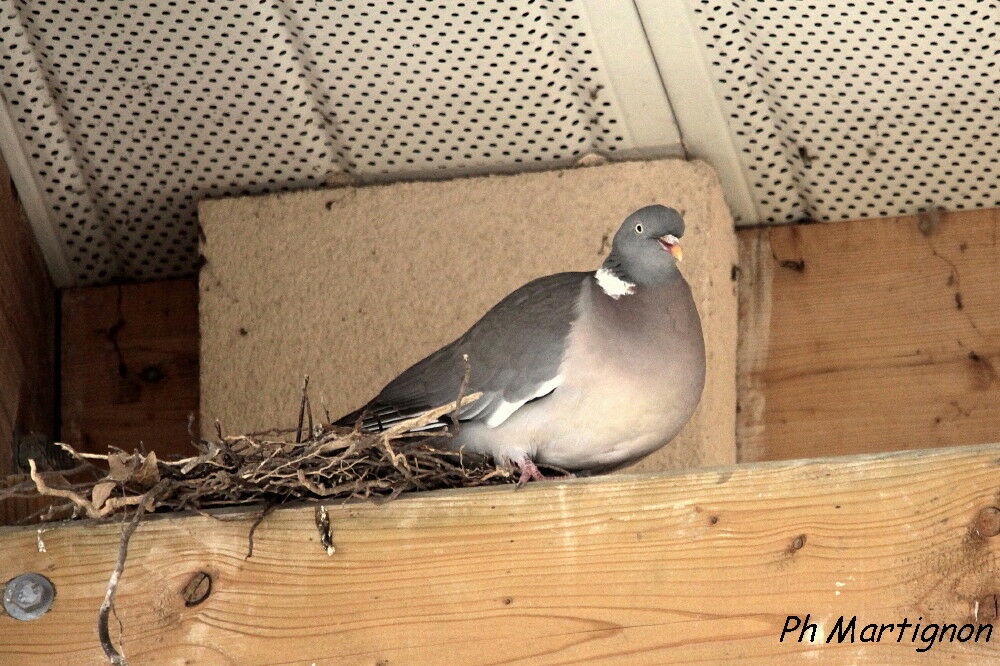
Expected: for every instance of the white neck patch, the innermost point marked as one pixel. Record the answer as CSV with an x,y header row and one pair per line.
x,y
612,285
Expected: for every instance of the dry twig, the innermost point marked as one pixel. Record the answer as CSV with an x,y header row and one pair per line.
x,y
256,523
103,634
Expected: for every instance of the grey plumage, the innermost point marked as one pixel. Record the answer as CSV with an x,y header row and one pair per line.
x,y
505,367
585,371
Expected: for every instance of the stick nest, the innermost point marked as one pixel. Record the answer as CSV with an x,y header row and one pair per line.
x,y
311,462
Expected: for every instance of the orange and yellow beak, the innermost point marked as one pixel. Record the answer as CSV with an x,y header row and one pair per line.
x,y
671,244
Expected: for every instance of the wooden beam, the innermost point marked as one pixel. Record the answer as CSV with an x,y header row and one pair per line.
x,y
701,566
27,347
130,366
871,335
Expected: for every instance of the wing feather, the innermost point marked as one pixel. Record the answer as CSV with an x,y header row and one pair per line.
x,y
515,351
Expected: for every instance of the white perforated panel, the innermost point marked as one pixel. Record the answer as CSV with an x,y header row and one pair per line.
x,y
130,112
119,116
847,109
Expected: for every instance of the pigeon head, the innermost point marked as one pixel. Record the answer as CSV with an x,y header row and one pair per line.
x,y
644,252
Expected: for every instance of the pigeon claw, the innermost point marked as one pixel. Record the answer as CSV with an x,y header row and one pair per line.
x,y
530,472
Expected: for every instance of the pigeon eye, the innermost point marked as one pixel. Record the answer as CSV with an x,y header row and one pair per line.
x,y
638,228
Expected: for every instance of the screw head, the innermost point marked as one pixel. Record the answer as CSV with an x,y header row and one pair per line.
x,y
28,596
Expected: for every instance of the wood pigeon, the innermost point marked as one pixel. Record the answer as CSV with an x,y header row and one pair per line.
x,y
580,371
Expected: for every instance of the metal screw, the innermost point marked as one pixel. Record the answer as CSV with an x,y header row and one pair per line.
x,y
28,596
152,374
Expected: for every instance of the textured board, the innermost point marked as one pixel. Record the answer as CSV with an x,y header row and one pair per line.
x,y
27,330
27,348
352,285
700,567
130,366
872,335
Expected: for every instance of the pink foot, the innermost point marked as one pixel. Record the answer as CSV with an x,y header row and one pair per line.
x,y
529,472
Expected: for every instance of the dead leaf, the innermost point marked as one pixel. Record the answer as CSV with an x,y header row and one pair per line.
x,y
147,475
101,492
121,466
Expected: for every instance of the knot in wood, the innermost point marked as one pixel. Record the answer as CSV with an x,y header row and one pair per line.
x,y
986,608
197,589
797,543
987,522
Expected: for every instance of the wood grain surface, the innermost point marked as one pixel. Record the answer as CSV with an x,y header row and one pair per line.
x,y
870,335
130,366
27,347
687,567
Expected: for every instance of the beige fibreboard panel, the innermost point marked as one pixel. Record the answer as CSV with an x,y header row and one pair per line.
x,y
352,285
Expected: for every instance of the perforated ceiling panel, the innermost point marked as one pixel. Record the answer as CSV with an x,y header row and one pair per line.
x,y
128,113
119,116
845,109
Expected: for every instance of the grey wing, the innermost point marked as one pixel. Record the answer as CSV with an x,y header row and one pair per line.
x,y
514,352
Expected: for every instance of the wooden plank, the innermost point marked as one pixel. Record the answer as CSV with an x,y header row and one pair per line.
x,y
684,567
872,335
130,365
27,346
